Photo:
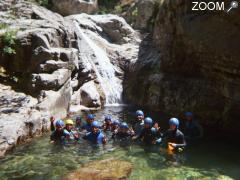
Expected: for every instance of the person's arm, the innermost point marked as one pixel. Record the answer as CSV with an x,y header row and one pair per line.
x,y
52,119
131,131
182,144
52,138
138,136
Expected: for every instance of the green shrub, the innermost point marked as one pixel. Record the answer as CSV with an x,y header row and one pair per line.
x,y
9,42
118,9
3,26
45,3
9,50
135,12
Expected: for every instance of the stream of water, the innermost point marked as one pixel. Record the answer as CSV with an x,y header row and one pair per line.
x,y
42,160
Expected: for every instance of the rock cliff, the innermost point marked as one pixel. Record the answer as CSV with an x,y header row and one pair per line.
x,y
194,65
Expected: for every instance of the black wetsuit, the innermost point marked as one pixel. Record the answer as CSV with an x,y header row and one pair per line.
x,y
122,136
148,136
192,130
175,136
58,136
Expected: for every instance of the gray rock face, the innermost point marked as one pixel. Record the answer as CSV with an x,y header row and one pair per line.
x,y
69,7
197,68
140,13
19,118
144,10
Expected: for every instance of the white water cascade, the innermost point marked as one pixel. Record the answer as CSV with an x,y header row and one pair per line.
x,y
105,70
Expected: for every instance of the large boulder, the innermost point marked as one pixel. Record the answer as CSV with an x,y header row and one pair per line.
x,y
89,95
19,118
69,7
197,68
110,169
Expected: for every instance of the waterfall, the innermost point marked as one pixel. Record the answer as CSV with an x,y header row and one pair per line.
x,y
105,70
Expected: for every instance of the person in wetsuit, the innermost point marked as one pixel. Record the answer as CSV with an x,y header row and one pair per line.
x,y
107,126
192,129
87,127
59,134
73,135
139,124
123,132
149,134
78,124
174,137
95,136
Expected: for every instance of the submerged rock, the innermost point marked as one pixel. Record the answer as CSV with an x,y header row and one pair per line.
x,y
104,169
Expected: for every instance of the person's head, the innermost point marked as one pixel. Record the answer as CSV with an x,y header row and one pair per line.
x,y
124,127
115,124
69,124
78,121
52,119
173,123
140,115
59,125
95,127
148,122
189,116
90,118
108,120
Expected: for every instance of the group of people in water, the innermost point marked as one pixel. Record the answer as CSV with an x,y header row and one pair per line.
x,y
144,130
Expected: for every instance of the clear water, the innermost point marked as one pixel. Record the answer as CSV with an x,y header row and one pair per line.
x,y
41,160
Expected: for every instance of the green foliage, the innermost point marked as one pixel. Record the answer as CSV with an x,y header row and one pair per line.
x,y
118,9
9,41
107,6
3,26
9,50
135,12
103,10
45,3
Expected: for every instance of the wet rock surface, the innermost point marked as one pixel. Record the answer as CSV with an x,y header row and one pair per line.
x,y
104,169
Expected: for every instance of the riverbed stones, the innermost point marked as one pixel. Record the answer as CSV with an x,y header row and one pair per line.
x,y
110,169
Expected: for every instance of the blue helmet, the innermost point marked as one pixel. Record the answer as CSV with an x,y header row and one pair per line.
x,y
60,123
95,124
188,114
90,116
139,113
174,121
116,122
148,120
78,118
108,118
124,125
